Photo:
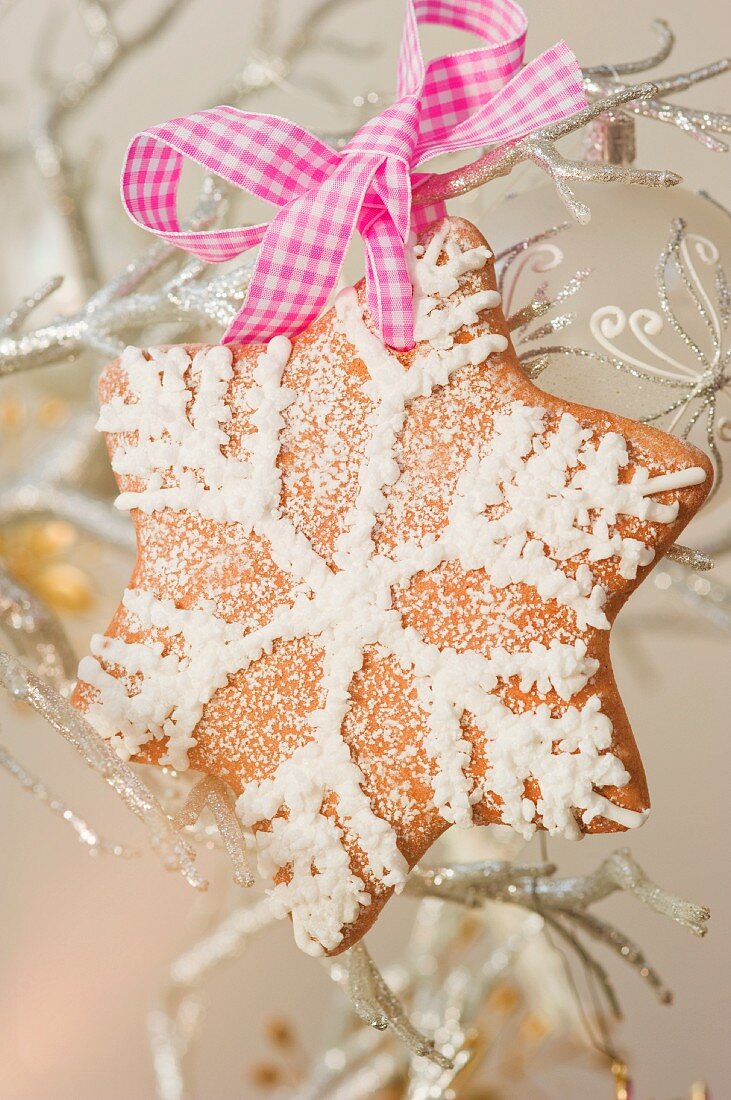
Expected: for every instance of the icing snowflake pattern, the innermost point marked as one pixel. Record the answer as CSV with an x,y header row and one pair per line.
x,y
541,496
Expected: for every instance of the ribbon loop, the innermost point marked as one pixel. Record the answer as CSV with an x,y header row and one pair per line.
x,y
460,101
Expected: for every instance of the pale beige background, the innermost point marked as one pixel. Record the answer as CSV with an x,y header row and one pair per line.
x,y
84,943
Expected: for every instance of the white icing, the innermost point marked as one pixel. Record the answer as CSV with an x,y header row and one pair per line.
x,y
557,494
528,506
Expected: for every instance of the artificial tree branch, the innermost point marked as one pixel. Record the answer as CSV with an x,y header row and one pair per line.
x,y
121,307
560,902
536,888
85,834
539,147
217,796
666,42
607,93
603,80
24,686
62,176
378,1007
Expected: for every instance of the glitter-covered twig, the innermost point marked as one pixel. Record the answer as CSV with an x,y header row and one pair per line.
x,y
166,833
396,1049
377,1005
24,686
603,80
609,95
540,148
87,836
62,176
121,308
537,888
214,794
36,634
560,902
39,638
665,44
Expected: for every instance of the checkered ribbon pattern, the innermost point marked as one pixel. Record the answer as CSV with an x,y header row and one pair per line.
x,y
476,98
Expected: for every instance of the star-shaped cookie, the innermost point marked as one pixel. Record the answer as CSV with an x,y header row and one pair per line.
x,y
373,592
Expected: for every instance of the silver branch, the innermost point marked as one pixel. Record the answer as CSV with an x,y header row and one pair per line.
x,y
174,1024
24,686
367,1059
65,179
216,795
121,306
377,1005
561,903
536,888
540,148
604,80
608,95
85,834
691,557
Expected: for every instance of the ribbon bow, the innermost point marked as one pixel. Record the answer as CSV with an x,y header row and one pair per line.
x,y
461,101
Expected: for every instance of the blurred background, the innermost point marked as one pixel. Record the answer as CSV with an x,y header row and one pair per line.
x,y
86,943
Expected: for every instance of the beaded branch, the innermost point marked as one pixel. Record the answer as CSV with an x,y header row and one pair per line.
x,y
539,148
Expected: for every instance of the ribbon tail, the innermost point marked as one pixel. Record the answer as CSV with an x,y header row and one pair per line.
x,y
389,293
385,233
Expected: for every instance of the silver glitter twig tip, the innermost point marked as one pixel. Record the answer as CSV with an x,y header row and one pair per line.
x,y
694,559
378,1006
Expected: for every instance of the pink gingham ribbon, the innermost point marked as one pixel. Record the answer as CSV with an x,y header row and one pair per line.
x,y
461,101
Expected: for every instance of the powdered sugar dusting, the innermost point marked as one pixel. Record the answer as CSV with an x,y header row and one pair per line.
x,y
535,504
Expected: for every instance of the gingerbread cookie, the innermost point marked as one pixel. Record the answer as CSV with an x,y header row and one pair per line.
x,y
373,592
